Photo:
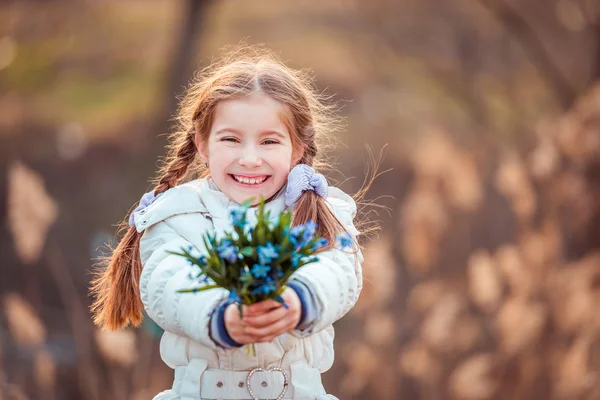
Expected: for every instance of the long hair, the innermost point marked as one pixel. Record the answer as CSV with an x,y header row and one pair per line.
x,y
243,71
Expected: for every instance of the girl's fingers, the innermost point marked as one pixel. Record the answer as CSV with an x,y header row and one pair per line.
x,y
240,335
238,329
274,329
246,340
246,335
265,319
247,311
263,306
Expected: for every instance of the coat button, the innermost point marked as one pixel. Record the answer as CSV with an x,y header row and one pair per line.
x,y
142,212
241,384
144,222
219,384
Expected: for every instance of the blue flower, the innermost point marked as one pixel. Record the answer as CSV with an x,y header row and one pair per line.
x,y
295,238
264,288
227,251
260,271
344,240
201,260
234,296
237,215
321,242
192,251
296,230
266,253
310,228
249,229
308,232
296,259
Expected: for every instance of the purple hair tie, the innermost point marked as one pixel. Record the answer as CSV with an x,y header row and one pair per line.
x,y
303,178
146,200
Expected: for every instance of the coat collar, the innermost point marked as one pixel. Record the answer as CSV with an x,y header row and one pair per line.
x,y
218,204
203,196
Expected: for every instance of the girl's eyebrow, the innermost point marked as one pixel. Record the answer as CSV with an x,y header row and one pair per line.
x,y
277,133
227,130
232,130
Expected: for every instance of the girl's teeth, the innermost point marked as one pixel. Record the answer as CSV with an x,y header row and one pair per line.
x,y
251,181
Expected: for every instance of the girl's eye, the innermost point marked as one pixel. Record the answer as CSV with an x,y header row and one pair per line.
x,y
229,139
270,142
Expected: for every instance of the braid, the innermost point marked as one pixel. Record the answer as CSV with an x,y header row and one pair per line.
x,y
179,164
116,287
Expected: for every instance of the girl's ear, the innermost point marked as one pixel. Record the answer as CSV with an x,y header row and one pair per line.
x,y
201,146
297,155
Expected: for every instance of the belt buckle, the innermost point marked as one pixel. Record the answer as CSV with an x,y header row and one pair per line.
x,y
259,369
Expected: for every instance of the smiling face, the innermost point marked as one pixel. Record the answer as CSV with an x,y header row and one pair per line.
x,y
249,148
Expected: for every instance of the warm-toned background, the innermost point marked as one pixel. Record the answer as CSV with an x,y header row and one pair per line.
x,y
485,279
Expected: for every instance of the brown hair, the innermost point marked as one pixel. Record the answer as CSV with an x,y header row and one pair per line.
x,y
242,72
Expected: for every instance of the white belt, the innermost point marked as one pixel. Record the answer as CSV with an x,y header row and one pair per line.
x,y
195,381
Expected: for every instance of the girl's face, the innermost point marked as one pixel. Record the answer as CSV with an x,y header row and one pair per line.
x,y
249,149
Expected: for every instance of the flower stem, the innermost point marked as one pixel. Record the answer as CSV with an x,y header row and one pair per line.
x,y
253,350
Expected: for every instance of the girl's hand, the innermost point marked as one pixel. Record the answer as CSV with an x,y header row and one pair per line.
x,y
268,319
236,328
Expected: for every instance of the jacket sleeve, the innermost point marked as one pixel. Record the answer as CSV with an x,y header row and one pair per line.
x,y
163,274
218,331
335,280
308,304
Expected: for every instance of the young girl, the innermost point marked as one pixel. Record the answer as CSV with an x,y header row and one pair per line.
x,y
251,126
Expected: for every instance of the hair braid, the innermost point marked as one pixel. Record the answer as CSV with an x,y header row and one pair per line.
x,y
116,288
177,168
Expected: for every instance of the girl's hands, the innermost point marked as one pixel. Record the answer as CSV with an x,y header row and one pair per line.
x,y
236,328
265,320
268,319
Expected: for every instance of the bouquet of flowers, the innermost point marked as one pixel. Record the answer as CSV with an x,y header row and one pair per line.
x,y
254,262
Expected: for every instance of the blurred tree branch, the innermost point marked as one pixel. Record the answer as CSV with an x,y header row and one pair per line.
x,y
180,67
593,14
515,24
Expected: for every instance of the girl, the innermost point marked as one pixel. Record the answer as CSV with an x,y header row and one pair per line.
x,y
254,124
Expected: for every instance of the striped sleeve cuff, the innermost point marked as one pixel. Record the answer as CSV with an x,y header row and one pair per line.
x,y
217,330
309,313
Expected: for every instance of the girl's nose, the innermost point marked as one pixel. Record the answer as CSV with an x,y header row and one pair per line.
x,y
250,161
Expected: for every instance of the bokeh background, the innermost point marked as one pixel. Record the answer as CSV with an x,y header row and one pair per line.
x,y
484,280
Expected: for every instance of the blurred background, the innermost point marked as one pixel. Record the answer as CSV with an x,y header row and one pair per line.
x,y
482,283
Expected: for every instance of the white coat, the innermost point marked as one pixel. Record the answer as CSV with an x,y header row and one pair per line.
x,y
203,369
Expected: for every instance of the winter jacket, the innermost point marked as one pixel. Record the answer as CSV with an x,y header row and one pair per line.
x,y
204,368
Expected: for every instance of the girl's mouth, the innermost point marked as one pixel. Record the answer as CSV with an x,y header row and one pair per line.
x,y
249,182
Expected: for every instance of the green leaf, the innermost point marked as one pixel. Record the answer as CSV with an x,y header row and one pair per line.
x,y
261,207
200,289
247,203
247,251
285,219
176,253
